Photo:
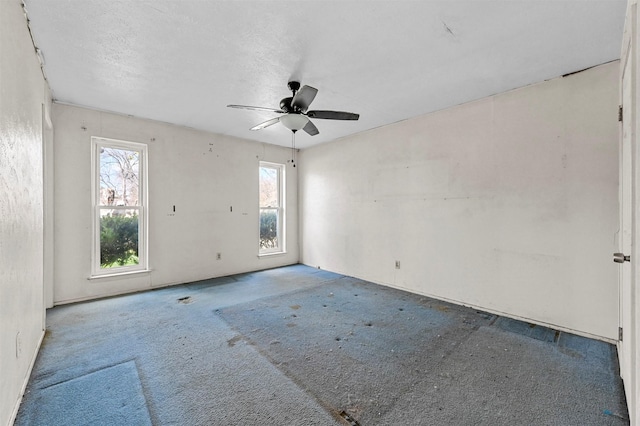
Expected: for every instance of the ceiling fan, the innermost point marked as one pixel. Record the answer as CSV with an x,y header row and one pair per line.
x,y
295,111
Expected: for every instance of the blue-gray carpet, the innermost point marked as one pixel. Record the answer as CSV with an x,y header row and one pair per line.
x,y
110,396
388,357
300,346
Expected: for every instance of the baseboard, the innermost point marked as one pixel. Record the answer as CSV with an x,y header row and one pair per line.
x,y
510,315
162,285
14,414
482,308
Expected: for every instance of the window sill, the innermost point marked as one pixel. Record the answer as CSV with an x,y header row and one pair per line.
x,y
276,253
119,274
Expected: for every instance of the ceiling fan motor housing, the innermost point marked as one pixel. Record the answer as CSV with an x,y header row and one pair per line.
x,y
285,104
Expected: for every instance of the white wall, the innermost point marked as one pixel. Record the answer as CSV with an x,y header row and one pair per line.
x,y
22,95
202,174
508,203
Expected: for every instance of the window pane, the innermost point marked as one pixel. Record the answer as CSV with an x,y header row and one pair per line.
x,y
119,233
268,228
268,187
119,177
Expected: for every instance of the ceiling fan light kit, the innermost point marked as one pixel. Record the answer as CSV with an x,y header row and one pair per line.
x,y
294,122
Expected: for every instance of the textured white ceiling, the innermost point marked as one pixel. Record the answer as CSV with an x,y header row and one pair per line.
x,y
183,61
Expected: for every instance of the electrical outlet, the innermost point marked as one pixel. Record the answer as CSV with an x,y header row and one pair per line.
x,y
397,264
218,256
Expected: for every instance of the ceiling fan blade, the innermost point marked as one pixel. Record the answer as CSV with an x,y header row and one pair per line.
x,y
304,97
333,115
311,128
266,124
253,108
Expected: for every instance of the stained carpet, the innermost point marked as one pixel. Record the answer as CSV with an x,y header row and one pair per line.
x,y
300,346
388,357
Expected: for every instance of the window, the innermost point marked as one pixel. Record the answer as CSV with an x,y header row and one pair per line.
x,y
271,208
119,207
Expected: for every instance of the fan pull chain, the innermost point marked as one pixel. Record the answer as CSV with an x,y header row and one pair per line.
x,y
293,148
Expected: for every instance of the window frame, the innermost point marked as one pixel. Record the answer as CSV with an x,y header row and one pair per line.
x,y
143,259
280,208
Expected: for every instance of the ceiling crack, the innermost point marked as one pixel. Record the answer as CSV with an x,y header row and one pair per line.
x,y
446,27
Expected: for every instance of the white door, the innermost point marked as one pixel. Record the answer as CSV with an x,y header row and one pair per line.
x,y
628,238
